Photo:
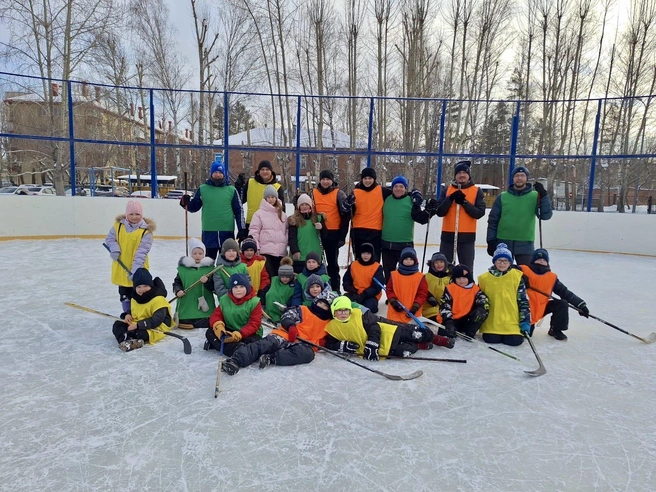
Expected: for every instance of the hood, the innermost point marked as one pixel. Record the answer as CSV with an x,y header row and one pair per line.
x,y
146,223
188,261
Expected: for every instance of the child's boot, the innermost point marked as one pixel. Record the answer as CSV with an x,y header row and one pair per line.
x,y
230,366
557,334
131,344
267,360
441,341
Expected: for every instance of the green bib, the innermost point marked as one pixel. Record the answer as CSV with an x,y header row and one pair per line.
x,y
301,278
234,316
517,222
308,239
398,226
217,214
187,306
278,292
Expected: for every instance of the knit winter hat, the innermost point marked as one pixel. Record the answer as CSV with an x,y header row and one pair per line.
x,y
408,253
142,277
520,169
304,198
314,279
229,244
249,243
462,271
502,251
341,302
240,279
133,207
327,295
327,173
463,166
286,271
196,243
270,190
313,255
217,166
367,248
266,164
368,172
437,257
400,180
540,253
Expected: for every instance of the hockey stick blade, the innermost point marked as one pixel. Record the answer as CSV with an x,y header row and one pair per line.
x,y
651,338
541,369
473,340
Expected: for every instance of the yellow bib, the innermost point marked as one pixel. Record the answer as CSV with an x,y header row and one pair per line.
x,y
353,331
144,311
129,243
504,310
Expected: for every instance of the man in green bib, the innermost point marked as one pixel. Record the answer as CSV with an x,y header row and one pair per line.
x,y
512,218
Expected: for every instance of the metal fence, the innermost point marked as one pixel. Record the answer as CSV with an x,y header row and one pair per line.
x,y
585,150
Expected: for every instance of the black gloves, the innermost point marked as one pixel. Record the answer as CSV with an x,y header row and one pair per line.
x,y
479,314
396,304
184,201
458,197
346,347
432,301
539,187
371,350
431,206
416,197
583,309
491,246
349,202
242,234
450,328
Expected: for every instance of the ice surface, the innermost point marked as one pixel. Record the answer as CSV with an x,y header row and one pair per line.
x,y
80,415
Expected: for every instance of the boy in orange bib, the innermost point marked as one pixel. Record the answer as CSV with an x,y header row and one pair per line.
x,y
464,305
406,287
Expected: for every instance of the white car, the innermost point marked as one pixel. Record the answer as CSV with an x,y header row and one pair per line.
x,y
42,190
28,190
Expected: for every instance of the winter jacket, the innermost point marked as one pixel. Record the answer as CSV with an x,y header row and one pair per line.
x,y
243,315
301,280
399,216
310,326
410,290
260,279
458,302
304,238
473,211
437,282
281,293
361,327
509,305
221,278
189,272
134,243
151,311
358,279
269,231
541,278
514,223
367,207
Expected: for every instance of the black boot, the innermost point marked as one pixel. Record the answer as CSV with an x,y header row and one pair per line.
x,y
230,366
557,334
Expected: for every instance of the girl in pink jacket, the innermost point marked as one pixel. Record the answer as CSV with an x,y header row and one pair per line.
x,y
269,229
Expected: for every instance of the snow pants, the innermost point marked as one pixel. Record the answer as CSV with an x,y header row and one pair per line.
x,y
120,330
228,348
285,353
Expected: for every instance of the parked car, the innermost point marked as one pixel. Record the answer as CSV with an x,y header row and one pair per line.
x,y
141,194
42,190
176,194
28,190
106,190
14,190
78,192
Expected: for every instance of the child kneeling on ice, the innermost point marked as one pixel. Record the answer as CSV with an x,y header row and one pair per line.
x,y
540,280
280,347
237,319
255,264
358,282
194,306
362,332
437,278
314,266
230,262
406,287
510,318
282,289
464,305
148,316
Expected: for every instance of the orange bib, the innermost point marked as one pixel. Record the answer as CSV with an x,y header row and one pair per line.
x,y
405,288
466,223
327,205
368,209
462,299
536,301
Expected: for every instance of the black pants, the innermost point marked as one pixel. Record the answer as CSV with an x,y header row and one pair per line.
x,y
120,330
406,339
361,236
466,252
559,311
512,340
272,264
465,326
228,348
286,354
390,261
523,259
331,250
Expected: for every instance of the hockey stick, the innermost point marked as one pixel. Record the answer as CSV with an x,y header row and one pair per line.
x,y
211,272
219,369
455,234
185,341
186,218
407,312
423,258
392,377
118,260
540,370
651,338
430,359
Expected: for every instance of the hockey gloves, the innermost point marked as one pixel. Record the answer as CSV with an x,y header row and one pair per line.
x,y
431,206
450,329
348,347
458,197
583,309
396,304
371,350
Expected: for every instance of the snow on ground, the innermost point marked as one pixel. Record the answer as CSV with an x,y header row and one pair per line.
x,y
80,415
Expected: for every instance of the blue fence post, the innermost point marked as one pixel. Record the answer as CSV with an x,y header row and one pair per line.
x,y
153,161
370,129
298,143
593,159
71,134
440,151
226,133
513,141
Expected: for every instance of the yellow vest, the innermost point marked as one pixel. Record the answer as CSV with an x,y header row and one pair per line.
x,y
144,311
504,310
254,196
353,331
436,286
255,273
129,243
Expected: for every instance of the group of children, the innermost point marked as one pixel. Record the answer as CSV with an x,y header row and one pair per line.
x,y
504,306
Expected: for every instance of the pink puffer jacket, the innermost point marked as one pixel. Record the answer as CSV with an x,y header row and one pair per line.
x,y
268,230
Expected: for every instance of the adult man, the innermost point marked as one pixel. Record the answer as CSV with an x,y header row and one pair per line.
x,y
221,209
365,204
253,190
512,218
329,201
400,211
464,193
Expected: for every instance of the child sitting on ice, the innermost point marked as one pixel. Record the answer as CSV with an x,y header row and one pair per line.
x,y
194,306
303,231
358,281
509,318
314,286
281,290
237,319
356,331
541,283
148,316
406,287
280,347
129,241
230,263
464,306
437,278
313,265
260,280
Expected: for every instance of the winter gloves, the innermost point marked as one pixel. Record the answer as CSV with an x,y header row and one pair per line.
x,y
432,300
539,187
219,329
431,206
583,309
346,347
492,246
458,196
525,327
184,200
417,199
292,333
450,328
371,350
233,337
396,304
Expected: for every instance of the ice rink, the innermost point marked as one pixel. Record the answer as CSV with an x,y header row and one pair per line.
x,y
80,415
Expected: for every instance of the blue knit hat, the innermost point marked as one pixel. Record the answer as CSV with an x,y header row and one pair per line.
x,y
240,279
142,277
520,169
540,253
408,253
217,166
400,180
502,251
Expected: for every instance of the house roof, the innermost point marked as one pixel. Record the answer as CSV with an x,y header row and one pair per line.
x,y
269,137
